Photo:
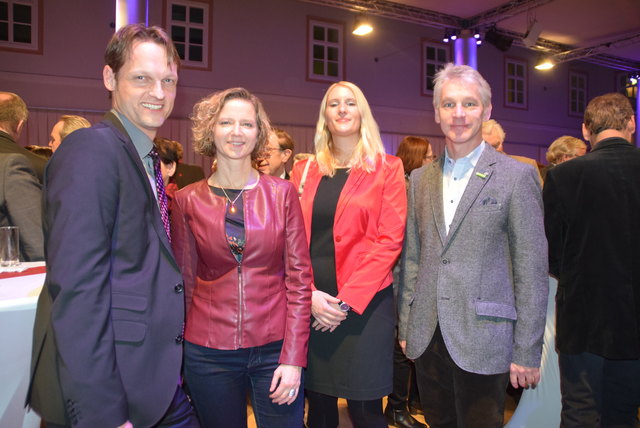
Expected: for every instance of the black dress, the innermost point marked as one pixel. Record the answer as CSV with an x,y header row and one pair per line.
x,y
355,361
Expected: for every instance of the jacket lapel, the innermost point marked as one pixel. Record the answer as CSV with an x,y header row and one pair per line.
x,y
156,219
433,184
353,181
480,176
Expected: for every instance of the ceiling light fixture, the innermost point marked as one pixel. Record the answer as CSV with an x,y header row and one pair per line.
x,y
545,63
362,26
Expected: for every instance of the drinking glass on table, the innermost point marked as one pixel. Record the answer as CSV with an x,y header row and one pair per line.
x,y
9,246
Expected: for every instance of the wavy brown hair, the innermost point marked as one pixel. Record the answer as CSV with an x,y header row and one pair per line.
x,y
206,113
412,151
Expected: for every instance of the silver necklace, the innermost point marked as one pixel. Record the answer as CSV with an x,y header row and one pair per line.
x,y
232,204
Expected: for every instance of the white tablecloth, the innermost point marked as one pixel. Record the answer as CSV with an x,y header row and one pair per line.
x,y
18,298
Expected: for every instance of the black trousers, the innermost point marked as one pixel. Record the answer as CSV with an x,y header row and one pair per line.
x,y
454,398
599,392
405,386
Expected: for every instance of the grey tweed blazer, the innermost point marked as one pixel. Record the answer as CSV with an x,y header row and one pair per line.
x,y
485,282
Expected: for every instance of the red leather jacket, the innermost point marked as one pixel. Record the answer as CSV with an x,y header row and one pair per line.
x,y
265,298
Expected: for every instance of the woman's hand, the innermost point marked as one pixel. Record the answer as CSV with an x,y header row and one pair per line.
x,y
324,309
285,384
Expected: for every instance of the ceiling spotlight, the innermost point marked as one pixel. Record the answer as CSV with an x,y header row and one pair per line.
x,y
545,63
362,26
454,35
478,42
476,34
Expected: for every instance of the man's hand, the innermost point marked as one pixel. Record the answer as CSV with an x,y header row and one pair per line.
x,y
524,377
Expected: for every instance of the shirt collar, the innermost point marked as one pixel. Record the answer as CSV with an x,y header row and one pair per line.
x,y
471,158
141,141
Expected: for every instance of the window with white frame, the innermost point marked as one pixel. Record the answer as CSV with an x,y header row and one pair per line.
x,y
188,24
434,57
516,83
325,51
577,93
19,24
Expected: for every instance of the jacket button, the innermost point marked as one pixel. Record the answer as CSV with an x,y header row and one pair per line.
x,y
179,339
338,238
178,288
445,261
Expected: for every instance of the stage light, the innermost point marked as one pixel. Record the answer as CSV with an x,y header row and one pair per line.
x,y
362,26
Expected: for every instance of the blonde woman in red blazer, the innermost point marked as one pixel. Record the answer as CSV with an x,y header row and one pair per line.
x,y
239,240
354,207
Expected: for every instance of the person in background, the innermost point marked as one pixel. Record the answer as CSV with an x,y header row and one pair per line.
x,y
591,217
279,150
563,149
239,240
493,134
404,400
170,153
44,152
108,333
13,117
354,206
21,204
473,288
65,126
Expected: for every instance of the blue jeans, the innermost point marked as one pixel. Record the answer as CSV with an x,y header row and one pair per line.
x,y
218,381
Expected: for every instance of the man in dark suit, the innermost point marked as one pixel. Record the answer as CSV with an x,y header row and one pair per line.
x,y
591,206
21,204
280,149
108,333
13,117
473,283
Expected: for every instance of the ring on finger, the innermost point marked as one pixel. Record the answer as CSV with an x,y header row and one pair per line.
x,y
292,392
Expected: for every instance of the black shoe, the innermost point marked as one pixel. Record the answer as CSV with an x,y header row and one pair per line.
x,y
402,418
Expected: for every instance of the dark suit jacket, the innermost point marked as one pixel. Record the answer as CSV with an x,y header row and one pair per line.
x,y
592,208
21,204
7,145
108,331
187,174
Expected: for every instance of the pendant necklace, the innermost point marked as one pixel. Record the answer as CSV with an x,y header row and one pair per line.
x,y
232,204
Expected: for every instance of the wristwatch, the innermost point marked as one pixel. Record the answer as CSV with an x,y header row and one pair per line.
x,y
344,307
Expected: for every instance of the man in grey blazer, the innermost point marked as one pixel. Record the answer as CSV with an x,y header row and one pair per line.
x,y
21,204
473,288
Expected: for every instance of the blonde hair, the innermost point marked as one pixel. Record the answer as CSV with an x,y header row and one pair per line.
x,y
369,145
205,115
489,126
564,146
72,123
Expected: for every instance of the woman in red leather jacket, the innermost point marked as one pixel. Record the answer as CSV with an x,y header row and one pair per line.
x,y
354,204
240,242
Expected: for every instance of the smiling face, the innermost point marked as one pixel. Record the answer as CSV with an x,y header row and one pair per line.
x,y
461,113
341,113
144,89
236,130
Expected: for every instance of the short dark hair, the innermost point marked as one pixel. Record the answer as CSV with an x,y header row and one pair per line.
x,y
608,111
284,139
168,150
121,44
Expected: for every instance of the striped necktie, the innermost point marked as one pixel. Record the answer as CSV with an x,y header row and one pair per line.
x,y
162,195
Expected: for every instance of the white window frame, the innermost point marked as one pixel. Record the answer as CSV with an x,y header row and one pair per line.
x,y
10,44
187,25
578,85
325,45
434,64
516,83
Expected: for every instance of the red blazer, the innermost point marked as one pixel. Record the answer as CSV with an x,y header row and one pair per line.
x,y
264,299
368,228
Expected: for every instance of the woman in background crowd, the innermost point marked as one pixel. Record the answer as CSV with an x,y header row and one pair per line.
x,y
354,206
240,242
414,152
561,150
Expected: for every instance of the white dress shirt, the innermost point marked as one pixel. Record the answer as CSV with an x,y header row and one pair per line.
x,y
455,177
